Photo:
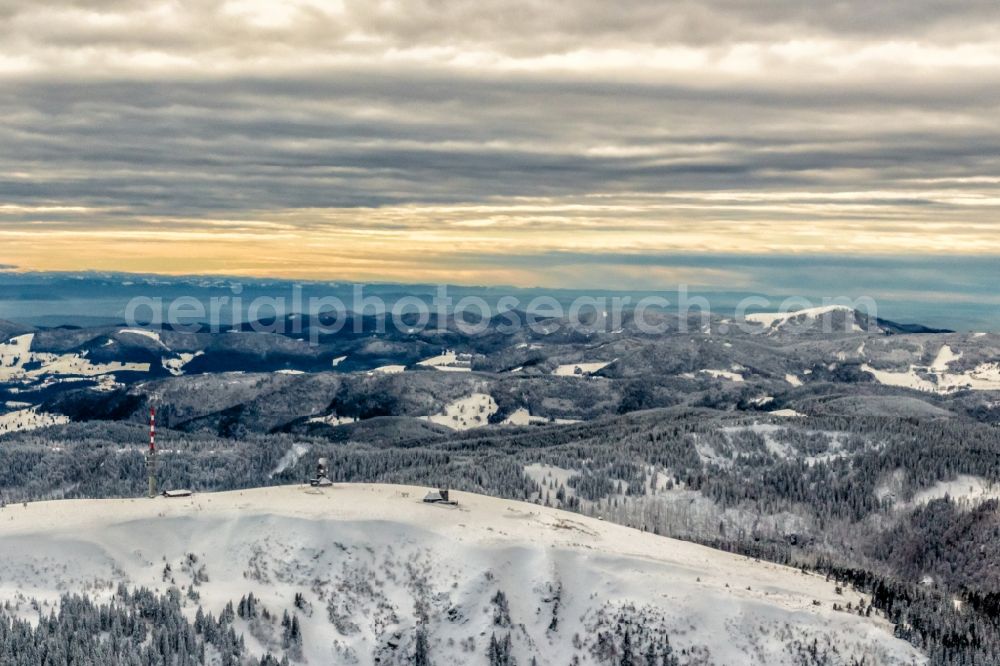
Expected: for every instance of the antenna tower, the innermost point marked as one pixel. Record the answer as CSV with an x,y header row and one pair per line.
x,y
151,455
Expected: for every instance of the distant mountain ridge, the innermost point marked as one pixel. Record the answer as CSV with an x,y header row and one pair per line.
x,y
94,299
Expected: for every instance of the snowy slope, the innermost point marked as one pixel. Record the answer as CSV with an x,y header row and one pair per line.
x,y
16,357
580,369
472,411
28,419
800,319
369,559
778,318
937,379
449,361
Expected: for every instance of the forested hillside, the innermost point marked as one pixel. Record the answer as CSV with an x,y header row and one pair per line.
x,y
872,454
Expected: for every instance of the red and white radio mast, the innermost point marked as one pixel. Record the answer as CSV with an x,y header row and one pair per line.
x,y
151,456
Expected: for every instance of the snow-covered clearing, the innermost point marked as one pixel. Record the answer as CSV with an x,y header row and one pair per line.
x,y
152,335
580,369
724,374
973,489
175,366
984,377
522,416
793,380
16,353
363,555
944,358
908,379
543,474
29,419
785,412
78,364
472,411
333,419
964,488
448,357
389,369
449,361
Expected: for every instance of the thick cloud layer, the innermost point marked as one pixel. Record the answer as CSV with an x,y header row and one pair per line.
x,y
419,140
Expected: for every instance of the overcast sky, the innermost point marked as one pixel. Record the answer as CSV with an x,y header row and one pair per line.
x,y
527,142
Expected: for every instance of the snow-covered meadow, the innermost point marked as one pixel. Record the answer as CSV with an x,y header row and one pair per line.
x,y
368,561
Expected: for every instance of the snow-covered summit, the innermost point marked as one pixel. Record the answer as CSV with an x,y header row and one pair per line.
x,y
360,565
847,318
